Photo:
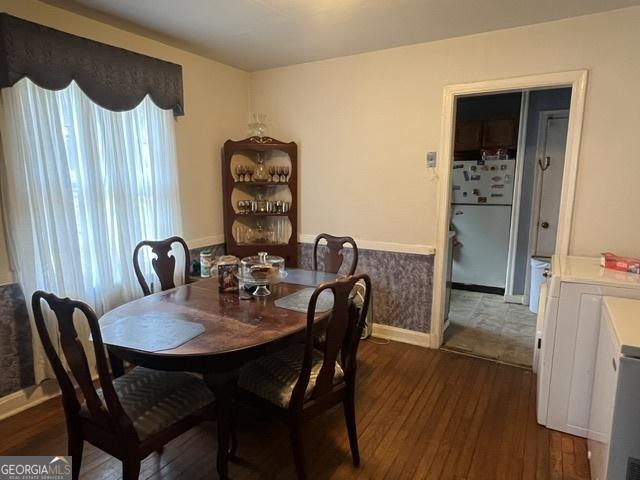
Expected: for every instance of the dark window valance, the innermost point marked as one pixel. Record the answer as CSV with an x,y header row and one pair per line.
x,y
114,78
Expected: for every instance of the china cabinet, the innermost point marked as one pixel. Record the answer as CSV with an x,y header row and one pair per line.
x,y
260,197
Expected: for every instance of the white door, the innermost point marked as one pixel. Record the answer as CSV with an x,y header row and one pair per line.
x,y
552,141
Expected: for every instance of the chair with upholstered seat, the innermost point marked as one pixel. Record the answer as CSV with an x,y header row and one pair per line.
x,y
129,417
164,264
300,381
331,253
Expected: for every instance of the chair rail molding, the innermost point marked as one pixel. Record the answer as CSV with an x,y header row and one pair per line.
x,y
418,249
6,279
202,242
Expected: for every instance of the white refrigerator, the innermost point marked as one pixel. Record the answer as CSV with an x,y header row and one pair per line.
x,y
482,194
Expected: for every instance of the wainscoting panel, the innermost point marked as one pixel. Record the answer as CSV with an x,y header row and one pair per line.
x,y
16,354
402,285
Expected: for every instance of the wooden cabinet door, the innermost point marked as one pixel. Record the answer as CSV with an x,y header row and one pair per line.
x,y
468,136
499,133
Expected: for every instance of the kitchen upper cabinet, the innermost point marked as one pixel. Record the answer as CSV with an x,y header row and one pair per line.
x,y
468,136
499,133
488,134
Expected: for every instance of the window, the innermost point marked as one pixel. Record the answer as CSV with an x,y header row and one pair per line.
x,y
82,186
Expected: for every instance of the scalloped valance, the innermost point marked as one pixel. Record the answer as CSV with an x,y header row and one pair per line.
x,y
114,78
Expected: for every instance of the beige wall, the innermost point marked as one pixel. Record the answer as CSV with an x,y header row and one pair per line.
x,y
364,123
215,105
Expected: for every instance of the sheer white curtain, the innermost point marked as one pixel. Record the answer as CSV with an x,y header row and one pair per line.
x,y
81,187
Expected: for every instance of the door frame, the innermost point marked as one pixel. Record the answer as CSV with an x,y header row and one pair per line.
x,y
517,198
577,80
537,186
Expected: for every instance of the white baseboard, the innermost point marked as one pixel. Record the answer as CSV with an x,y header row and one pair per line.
x,y
447,322
520,299
383,246
26,398
402,335
29,397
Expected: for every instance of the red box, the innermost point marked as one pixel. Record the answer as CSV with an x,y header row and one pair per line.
x,y
622,264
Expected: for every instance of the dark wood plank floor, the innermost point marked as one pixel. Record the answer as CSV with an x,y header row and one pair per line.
x,y
421,414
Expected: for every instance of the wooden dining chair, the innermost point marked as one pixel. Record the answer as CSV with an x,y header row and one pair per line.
x,y
164,264
333,256
129,417
300,381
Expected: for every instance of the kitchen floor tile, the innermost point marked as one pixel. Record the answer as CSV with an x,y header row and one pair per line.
x,y
484,325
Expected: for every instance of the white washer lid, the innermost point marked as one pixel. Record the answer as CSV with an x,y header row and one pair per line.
x,y
625,320
588,270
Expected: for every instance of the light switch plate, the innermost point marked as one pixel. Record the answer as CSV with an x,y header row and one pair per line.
x,y
431,159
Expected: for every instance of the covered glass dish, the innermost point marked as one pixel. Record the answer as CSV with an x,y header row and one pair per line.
x,y
260,271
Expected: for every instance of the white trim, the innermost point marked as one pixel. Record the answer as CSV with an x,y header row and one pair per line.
x,y
519,299
402,335
517,194
577,80
26,398
29,397
6,279
383,246
206,241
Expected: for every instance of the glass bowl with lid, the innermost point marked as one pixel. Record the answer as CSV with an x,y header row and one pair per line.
x,y
260,271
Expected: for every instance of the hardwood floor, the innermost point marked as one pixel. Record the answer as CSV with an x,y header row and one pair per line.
x,y
421,414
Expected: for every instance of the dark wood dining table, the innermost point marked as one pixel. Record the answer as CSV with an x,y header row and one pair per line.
x,y
235,331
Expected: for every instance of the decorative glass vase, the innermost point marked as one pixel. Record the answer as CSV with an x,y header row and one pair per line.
x,y
258,128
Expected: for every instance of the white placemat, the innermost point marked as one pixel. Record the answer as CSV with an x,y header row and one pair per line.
x,y
299,301
150,333
309,278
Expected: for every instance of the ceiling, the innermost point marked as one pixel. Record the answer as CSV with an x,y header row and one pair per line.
x,y
260,34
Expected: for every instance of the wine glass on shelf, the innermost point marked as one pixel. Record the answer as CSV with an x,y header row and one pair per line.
x,y
238,173
237,233
283,175
250,171
272,174
286,172
278,229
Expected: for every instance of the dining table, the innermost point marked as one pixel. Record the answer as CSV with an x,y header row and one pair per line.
x,y
230,330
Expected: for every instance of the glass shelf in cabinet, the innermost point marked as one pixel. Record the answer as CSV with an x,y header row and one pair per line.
x,y
261,214
260,183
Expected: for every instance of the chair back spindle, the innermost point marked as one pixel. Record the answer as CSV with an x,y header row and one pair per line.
x,y
343,333
110,417
333,257
164,263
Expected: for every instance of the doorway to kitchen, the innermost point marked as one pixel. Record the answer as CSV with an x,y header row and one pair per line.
x,y
506,184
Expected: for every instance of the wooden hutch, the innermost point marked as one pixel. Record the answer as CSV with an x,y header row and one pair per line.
x,y
261,208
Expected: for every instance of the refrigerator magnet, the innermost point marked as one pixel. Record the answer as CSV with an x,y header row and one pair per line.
x,y
482,199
